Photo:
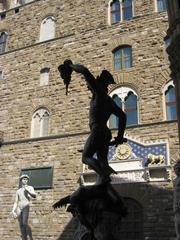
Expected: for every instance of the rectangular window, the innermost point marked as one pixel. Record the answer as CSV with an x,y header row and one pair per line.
x,y
39,178
115,12
127,58
3,39
113,122
118,59
161,5
2,47
127,10
171,111
123,58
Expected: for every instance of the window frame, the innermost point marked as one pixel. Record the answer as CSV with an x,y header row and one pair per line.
x,y
165,89
125,8
123,57
131,109
41,32
170,104
121,4
41,132
112,12
156,6
3,43
28,171
44,76
122,92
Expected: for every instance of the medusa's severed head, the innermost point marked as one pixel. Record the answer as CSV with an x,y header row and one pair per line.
x,y
65,72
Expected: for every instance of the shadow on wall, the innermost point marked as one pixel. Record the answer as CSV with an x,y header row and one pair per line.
x,y
68,232
150,211
150,214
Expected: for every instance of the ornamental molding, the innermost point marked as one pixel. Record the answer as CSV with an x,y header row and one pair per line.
x,y
48,13
122,92
124,79
123,40
4,27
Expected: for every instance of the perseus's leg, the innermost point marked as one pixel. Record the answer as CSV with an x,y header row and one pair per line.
x,y
90,149
102,156
103,162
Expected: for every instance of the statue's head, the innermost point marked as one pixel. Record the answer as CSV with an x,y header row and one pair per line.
x,y
24,178
177,168
106,78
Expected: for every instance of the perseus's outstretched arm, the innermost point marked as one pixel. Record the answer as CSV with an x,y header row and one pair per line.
x,y
89,78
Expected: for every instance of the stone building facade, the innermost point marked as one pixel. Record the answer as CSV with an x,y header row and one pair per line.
x,y
43,128
173,50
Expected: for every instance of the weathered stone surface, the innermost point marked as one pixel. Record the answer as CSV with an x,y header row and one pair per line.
x,y
83,35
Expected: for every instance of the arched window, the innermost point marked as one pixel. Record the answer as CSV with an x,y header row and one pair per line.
x,y
113,121
40,123
44,76
132,225
3,42
127,99
130,107
170,101
47,30
120,10
122,57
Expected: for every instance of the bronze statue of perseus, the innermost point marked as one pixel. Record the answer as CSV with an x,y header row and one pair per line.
x,y
101,108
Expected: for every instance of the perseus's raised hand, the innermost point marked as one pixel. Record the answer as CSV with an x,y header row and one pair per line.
x,y
78,68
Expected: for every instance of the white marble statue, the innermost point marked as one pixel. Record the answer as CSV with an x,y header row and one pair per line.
x,y
22,205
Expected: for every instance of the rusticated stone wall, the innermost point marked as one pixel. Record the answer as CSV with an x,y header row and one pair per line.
x,y
83,35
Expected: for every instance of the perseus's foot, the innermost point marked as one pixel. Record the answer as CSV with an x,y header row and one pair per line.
x,y
111,170
108,170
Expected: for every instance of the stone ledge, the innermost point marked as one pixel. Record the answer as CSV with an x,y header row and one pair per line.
x,y
17,141
159,173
